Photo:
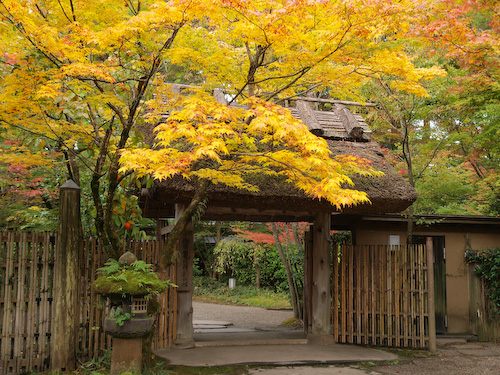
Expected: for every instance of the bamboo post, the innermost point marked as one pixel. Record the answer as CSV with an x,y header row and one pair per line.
x,y
65,328
335,297
343,301
430,294
308,281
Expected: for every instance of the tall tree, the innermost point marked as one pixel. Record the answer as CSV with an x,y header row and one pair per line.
x,y
402,123
460,115
289,239
78,75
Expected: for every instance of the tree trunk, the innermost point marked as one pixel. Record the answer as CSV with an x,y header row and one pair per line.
x,y
168,253
257,269
291,285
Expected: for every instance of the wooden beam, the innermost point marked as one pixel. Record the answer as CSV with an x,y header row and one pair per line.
x,y
308,117
351,125
333,101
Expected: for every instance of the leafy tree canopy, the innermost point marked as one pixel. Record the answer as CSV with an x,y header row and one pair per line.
x,y
80,76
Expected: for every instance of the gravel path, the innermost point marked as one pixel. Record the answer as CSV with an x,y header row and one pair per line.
x,y
241,316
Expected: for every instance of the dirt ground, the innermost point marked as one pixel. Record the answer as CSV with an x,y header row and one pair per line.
x,y
471,358
454,357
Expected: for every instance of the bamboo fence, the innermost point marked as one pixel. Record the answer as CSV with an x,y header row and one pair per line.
x,y
380,296
93,340
26,264
26,284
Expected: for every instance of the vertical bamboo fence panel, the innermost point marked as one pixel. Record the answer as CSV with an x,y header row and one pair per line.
x,y
93,340
26,284
382,296
26,265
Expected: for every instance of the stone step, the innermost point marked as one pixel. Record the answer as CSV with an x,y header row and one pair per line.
x,y
212,323
209,344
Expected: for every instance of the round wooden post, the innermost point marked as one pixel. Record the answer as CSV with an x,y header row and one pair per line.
x,y
321,327
185,246
430,293
66,267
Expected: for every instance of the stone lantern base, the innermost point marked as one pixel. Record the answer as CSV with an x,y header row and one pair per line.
x,y
126,355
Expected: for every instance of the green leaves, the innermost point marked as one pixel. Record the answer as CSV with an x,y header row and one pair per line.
x,y
141,266
487,266
136,279
111,267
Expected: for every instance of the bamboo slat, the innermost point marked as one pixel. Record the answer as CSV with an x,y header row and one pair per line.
x,y
358,310
381,294
373,296
20,307
350,297
335,292
383,290
26,284
24,310
366,291
32,301
343,278
396,301
422,280
7,243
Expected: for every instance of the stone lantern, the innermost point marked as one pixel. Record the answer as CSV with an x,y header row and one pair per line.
x,y
127,283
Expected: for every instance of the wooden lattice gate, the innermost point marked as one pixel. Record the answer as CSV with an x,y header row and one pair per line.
x,y
26,300
380,296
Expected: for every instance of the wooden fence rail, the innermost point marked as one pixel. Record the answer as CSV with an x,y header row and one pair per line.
x,y
26,300
382,295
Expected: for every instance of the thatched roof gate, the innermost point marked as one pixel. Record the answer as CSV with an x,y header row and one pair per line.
x,y
346,133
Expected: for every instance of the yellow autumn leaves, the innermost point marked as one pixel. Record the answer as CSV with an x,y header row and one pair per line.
x,y
227,145
77,71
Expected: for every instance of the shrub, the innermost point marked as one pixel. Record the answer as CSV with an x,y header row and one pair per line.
x,y
487,266
136,279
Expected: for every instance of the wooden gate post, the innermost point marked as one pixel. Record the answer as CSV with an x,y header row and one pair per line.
x,y
184,279
430,293
66,268
321,326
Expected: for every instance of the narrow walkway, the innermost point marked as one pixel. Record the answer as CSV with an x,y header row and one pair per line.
x,y
273,355
235,335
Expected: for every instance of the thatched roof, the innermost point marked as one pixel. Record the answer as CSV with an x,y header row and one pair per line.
x,y
346,133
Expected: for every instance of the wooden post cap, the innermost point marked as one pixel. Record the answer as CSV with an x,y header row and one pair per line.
x,y
70,185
